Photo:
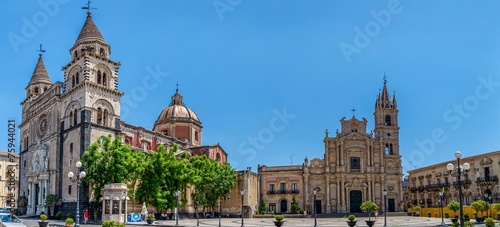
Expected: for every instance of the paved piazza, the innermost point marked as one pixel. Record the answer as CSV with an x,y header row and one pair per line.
x,y
290,222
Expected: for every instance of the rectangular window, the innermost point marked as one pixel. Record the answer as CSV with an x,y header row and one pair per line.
x,y
69,190
272,207
271,189
355,165
283,188
294,188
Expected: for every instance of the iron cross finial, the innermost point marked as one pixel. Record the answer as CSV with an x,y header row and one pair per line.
x,y
40,50
88,8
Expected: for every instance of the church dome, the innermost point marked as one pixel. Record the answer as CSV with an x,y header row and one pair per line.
x,y
179,112
176,112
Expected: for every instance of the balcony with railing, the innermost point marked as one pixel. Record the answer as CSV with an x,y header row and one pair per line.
x,y
271,192
490,180
296,191
464,183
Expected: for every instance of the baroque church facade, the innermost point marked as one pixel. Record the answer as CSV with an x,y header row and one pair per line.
x,y
357,166
61,119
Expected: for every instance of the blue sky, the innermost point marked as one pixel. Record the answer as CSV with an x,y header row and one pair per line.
x,y
268,77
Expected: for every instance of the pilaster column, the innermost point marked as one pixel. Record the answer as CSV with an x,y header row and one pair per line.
x,y
328,206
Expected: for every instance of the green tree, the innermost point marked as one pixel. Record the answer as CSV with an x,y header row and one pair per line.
x,y
262,206
480,205
107,161
295,206
369,207
454,206
163,175
50,202
496,206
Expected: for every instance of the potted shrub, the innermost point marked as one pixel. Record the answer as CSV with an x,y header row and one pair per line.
x,y
69,222
466,217
454,206
59,215
42,223
455,224
279,220
350,220
498,215
429,214
468,224
150,218
417,211
489,222
435,214
446,215
369,206
478,205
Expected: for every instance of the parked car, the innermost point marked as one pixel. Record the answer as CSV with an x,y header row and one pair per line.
x,y
10,220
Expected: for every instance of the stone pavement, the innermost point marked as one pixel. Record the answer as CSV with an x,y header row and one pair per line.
x,y
295,222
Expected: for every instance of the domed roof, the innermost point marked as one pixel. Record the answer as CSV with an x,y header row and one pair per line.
x,y
177,112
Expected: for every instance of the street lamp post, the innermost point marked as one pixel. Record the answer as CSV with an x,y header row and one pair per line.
x,y
441,199
385,206
177,207
314,208
487,198
466,168
78,181
242,215
220,210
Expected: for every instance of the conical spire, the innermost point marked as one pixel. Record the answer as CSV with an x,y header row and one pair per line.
x,y
40,74
89,31
384,99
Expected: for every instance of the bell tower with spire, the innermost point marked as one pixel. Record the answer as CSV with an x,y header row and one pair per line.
x,y
386,121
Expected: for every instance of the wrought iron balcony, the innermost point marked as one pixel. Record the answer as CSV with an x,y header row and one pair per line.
x,y
464,183
294,191
282,191
491,180
413,189
271,192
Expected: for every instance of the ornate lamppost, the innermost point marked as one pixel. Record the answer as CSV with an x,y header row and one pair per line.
x,y
441,200
78,180
487,198
385,206
314,208
242,192
177,207
466,168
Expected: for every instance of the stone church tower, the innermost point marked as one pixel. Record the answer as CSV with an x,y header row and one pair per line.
x,y
357,166
60,120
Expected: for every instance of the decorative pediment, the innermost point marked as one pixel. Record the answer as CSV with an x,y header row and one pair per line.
x,y
356,183
486,161
317,162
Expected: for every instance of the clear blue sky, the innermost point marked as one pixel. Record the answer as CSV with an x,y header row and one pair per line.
x,y
239,62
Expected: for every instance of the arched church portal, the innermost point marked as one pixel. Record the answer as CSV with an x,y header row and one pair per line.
x,y
356,198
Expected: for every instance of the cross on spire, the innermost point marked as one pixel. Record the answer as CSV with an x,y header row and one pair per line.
x,y
88,8
353,110
40,50
177,87
385,78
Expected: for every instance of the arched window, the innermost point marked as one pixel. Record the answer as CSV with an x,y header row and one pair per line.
x,y
104,79
73,81
75,118
217,157
391,151
75,54
77,78
196,135
26,143
387,120
70,118
36,90
101,52
99,77
99,116
386,148
105,118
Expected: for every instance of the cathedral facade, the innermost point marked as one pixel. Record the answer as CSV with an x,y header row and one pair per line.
x,y
61,119
357,166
